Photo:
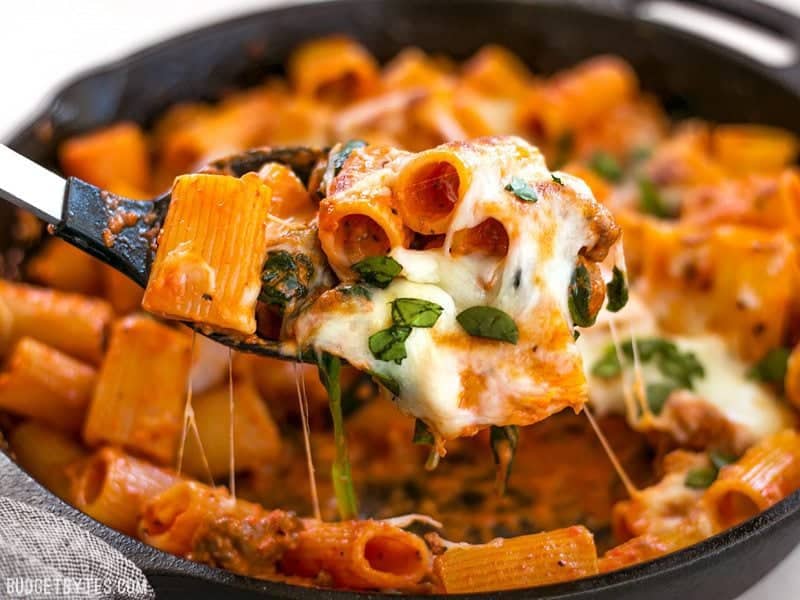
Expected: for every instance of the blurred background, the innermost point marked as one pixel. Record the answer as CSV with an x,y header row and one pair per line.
x,y
47,42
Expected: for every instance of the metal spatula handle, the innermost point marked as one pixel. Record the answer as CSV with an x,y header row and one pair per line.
x,y
30,186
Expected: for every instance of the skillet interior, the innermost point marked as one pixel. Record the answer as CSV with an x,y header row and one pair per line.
x,y
690,75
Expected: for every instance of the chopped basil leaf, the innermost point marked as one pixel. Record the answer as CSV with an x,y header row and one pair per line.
x,y
343,153
378,270
680,368
648,348
650,200
617,290
556,178
640,154
489,322
701,478
607,366
329,367
580,293
772,367
606,166
501,438
721,459
355,290
657,395
575,334
415,312
423,435
522,190
390,344
285,278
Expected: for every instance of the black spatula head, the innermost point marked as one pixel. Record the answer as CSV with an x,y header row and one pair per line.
x,y
123,233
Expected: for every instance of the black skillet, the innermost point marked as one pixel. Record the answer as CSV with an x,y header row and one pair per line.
x,y
689,74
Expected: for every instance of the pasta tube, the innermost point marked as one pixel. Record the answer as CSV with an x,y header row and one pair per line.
x,y
71,323
45,454
576,97
139,399
111,486
124,295
212,247
359,555
290,198
115,156
62,266
428,188
753,148
353,227
171,519
334,69
208,525
520,562
43,383
768,472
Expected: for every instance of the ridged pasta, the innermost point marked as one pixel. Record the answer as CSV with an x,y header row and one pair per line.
x,y
64,267
753,148
170,519
520,562
111,486
45,453
139,398
205,272
768,472
42,383
114,157
72,323
359,555
333,69
577,96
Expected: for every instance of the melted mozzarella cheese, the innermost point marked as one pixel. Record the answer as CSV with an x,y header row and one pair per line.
x,y
431,382
454,382
725,385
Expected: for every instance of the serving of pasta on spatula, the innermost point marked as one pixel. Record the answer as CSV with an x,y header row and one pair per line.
x,y
461,273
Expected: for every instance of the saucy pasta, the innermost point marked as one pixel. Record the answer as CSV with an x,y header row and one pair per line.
x,y
481,248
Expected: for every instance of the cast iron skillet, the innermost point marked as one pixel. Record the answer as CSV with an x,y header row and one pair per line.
x,y
689,74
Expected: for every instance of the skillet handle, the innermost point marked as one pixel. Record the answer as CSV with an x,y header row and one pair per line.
x,y
772,19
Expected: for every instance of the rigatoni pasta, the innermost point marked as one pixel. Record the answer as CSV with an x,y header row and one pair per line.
x,y
115,159
203,273
521,562
333,69
111,486
359,555
72,323
63,267
42,383
46,453
767,473
139,398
